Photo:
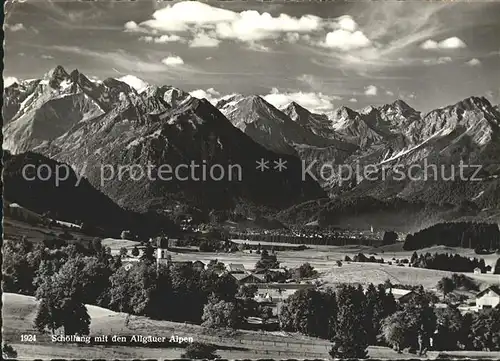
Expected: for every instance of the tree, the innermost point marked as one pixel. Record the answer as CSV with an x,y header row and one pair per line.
x,y
198,350
148,254
497,267
225,287
123,252
266,313
96,246
310,312
215,266
388,285
267,261
394,330
8,352
378,305
135,251
126,234
305,271
247,291
371,301
220,314
132,291
17,272
420,319
390,237
61,304
445,285
207,246
449,329
485,330
350,339
414,258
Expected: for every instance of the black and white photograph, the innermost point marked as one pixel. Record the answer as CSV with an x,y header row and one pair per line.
x,y
251,179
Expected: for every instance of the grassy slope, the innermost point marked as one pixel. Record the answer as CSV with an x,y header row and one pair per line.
x,y
18,312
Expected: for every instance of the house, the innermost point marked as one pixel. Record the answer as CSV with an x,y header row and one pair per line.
x,y
477,270
488,298
401,295
236,268
198,266
274,294
248,278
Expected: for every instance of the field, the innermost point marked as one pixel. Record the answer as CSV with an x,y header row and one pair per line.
x,y
14,229
18,312
324,259
115,244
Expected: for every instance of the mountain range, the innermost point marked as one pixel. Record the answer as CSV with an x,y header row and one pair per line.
x,y
91,123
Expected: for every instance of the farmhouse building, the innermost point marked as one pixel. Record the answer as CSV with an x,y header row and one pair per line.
x,y
401,295
250,278
236,268
488,298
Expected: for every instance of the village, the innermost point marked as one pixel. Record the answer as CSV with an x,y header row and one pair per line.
x,y
273,286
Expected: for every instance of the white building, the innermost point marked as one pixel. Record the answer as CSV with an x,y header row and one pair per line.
x,y
488,298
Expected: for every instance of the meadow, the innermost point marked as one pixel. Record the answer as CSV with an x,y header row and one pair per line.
x,y
18,312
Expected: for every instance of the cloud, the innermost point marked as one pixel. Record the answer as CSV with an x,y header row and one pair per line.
x,y
203,40
258,47
246,26
353,100
438,61
388,34
46,56
315,102
346,40
161,39
133,26
183,15
292,37
346,22
346,35
173,60
15,27
251,25
389,93
449,43
8,81
473,62
210,94
138,84
371,90
120,59
429,44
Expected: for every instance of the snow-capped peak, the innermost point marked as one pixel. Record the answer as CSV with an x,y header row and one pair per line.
x,y
134,82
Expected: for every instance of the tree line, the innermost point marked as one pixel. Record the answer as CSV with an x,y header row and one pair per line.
x,y
353,319
447,262
479,236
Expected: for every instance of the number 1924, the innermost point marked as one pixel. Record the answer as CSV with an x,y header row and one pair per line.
x,y
28,338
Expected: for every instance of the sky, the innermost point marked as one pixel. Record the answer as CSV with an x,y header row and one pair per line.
x,y
321,55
